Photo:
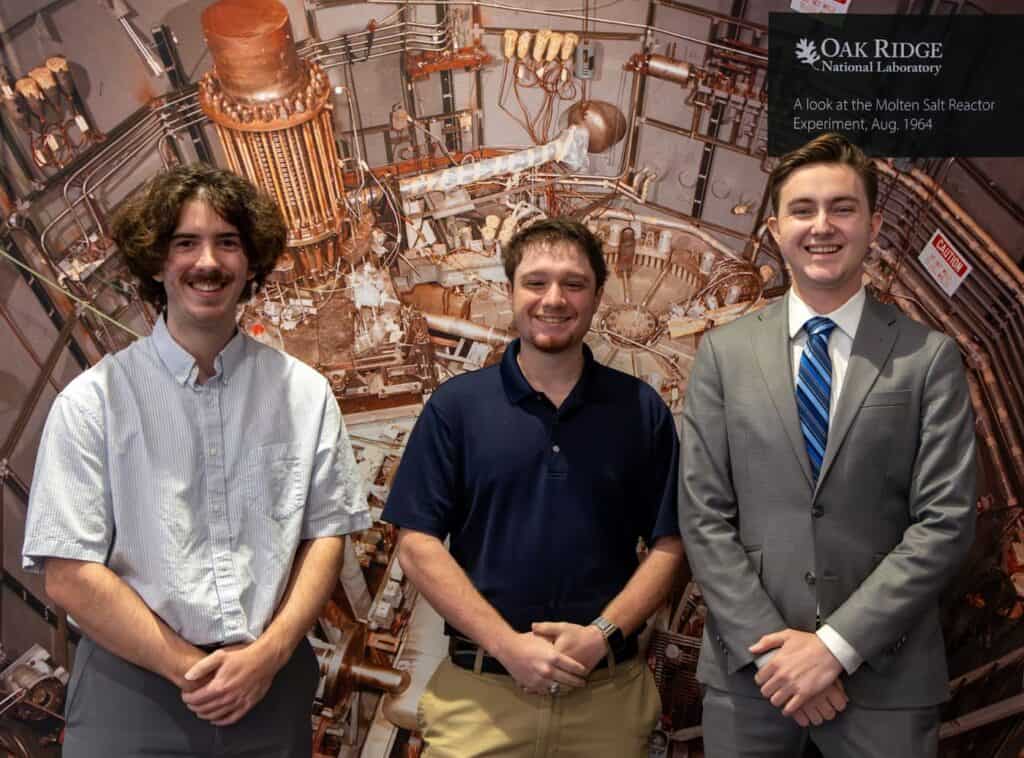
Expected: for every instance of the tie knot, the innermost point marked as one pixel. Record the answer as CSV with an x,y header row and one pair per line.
x,y
819,325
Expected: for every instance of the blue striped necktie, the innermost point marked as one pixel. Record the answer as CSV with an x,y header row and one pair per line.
x,y
814,389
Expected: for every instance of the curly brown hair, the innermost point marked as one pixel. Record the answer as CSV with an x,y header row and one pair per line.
x,y
143,226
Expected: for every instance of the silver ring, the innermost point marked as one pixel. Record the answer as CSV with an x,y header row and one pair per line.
x,y
554,688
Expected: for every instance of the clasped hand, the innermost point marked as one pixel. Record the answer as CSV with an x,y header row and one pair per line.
x,y
223,686
802,676
552,652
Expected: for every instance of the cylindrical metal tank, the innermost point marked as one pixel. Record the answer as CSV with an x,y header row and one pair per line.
x,y
271,113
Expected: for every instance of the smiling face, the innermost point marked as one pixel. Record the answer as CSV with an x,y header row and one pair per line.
x,y
554,296
824,227
205,271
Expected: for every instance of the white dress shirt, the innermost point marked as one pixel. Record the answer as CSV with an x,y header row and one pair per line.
x,y
846,318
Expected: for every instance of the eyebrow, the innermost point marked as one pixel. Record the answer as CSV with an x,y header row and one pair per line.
x,y
193,235
548,275
836,199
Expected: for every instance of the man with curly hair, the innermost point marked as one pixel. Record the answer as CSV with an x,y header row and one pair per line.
x,y
191,496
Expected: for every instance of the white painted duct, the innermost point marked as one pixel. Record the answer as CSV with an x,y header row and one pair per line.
x,y
569,148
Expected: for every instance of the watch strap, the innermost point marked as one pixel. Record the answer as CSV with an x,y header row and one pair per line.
x,y
613,636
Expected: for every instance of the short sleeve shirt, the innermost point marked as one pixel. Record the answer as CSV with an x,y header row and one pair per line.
x,y
544,507
196,495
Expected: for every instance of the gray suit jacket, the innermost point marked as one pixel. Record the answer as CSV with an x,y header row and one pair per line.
x,y
869,548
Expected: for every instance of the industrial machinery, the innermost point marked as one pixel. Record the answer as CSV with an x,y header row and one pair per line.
x,y
404,151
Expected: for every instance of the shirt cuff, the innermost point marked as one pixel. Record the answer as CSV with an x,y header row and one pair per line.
x,y
840,648
762,659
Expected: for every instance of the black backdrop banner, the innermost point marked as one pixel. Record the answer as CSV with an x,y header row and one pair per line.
x,y
908,86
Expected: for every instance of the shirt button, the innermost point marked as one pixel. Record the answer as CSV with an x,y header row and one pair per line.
x,y
817,511
556,449
213,451
809,578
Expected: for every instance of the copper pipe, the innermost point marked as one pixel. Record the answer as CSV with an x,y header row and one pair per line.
x,y
996,262
1011,706
910,221
981,322
712,14
45,372
955,209
36,258
989,438
981,360
315,177
387,680
995,192
982,672
20,336
979,305
907,302
1005,336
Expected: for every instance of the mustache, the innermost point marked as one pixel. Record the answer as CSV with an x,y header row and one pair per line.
x,y
214,276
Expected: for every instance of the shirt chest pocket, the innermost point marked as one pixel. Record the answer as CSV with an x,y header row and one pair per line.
x,y
273,475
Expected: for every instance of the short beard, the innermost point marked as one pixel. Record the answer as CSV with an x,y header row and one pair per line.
x,y
554,349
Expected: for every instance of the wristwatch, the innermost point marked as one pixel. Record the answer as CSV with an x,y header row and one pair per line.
x,y
613,636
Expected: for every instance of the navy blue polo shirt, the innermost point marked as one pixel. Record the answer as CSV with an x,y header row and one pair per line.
x,y
544,506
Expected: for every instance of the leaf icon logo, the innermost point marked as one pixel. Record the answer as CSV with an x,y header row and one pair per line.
x,y
806,52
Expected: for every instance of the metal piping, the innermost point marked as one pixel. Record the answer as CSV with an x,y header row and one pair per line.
x,y
577,17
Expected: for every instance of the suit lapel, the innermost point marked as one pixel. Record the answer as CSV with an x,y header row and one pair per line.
x,y
770,344
876,335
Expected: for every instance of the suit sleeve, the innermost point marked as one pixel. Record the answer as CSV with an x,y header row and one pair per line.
x,y
907,582
740,608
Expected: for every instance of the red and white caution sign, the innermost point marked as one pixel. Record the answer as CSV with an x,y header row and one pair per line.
x,y
947,267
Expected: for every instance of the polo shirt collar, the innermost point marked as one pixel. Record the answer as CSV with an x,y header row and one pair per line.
x,y
518,389
183,367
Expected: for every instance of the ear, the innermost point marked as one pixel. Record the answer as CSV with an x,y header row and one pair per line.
x,y
876,224
773,227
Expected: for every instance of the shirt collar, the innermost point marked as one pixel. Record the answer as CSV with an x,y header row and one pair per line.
x,y
517,388
183,367
846,316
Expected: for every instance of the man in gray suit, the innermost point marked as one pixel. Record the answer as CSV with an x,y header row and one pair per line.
x,y
827,486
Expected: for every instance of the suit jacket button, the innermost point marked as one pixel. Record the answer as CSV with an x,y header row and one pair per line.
x,y
809,578
817,511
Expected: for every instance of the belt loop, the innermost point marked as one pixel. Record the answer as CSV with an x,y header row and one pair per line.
x,y
611,663
478,660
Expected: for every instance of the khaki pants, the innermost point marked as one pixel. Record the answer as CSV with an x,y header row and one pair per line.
x,y
463,714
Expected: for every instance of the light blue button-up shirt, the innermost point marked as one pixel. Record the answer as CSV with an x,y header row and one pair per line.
x,y
197,496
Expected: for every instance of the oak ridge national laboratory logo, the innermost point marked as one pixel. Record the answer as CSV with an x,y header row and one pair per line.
x,y
806,52
875,56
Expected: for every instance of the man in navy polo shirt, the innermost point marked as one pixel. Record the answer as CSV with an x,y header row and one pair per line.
x,y
544,472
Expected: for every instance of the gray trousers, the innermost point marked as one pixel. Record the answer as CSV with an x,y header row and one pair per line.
x,y
736,726
117,709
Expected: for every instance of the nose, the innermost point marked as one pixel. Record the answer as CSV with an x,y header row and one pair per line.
x,y
207,257
553,295
822,223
